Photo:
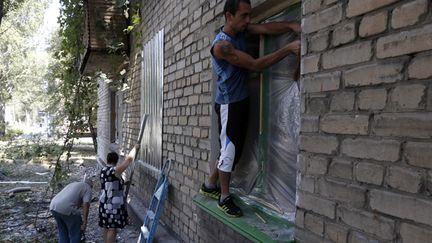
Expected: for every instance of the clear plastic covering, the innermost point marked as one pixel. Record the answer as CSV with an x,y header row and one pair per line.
x,y
266,174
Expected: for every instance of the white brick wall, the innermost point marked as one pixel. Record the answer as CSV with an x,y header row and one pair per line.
x,y
322,19
103,120
366,133
366,172
189,28
373,24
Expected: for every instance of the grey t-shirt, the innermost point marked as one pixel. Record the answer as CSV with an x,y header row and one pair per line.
x,y
68,200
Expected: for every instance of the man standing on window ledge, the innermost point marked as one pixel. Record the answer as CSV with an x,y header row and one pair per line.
x,y
231,64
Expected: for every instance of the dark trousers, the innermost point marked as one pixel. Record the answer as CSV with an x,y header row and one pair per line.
x,y
69,227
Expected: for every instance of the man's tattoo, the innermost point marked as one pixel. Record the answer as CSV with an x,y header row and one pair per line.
x,y
228,51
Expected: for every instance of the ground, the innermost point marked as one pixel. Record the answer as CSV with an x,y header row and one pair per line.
x,y
25,215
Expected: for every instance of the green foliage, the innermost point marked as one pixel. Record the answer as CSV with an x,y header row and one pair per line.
x,y
15,47
77,94
11,134
7,6
135,20
32,150
67,88
21,67
11,5
71,22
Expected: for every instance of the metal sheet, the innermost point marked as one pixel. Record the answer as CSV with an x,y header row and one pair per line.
x,y
152,99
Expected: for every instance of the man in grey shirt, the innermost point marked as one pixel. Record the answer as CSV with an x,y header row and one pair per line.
x,y
65,209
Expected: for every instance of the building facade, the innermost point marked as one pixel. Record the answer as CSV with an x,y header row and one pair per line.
x,y
366,122
362,171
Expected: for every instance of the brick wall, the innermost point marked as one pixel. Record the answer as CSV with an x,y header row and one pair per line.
x,y
189,26
103,119
365,164
211,230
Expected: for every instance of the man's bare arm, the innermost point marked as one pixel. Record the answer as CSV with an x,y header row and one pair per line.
x,y
274,28
86,208
226,51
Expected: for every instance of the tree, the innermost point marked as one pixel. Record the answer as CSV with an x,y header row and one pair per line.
x,y
75,92
22,21
1,10
7,6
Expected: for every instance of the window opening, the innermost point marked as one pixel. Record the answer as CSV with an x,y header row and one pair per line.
x,y
266,174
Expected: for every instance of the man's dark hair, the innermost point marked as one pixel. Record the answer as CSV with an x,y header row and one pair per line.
x,y
112,158
233,5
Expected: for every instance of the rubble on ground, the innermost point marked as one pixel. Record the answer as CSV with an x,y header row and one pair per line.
x,y
25,215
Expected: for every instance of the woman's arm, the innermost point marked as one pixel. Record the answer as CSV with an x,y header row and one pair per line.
x,y
129,159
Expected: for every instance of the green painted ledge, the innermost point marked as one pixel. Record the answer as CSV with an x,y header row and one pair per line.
x,y
255,224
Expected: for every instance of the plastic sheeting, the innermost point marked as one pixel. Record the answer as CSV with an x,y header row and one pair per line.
x,y
266,174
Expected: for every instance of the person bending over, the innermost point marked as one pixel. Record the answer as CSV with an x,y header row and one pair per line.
x,y
65,208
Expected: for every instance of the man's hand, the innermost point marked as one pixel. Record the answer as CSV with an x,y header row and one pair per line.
x,y
294,47
296,27
86,209
137,146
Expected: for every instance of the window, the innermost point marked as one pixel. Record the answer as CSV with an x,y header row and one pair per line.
x,y
266,173
265,178
151,100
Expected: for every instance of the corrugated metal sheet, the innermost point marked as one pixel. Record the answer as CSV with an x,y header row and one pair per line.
x,y
152,98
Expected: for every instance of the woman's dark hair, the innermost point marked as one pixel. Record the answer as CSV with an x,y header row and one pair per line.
x,y
233,5
112,158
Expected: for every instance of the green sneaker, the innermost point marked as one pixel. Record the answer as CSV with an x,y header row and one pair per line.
x,y
229,208
209,192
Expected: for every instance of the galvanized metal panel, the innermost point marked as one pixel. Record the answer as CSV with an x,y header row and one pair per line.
x,y
152,99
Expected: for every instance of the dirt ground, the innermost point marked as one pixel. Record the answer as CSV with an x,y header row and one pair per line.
x,y
25,216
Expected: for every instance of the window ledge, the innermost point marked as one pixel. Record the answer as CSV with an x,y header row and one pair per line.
x,y
255,224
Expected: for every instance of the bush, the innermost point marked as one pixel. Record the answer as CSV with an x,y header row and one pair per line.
x,y
11,134
36,150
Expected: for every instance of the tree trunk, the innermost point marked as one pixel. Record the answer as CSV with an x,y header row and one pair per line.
x,y
1,10
94,136
93,130
2,121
